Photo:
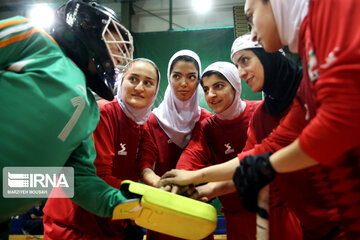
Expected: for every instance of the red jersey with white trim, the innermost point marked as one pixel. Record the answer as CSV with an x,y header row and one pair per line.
x,y
331,56
116,141
157,152
216,141
297,189
335,129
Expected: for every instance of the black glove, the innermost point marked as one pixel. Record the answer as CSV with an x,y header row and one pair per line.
x,y
254,173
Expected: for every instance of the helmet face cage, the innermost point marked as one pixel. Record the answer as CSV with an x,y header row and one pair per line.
x,y
120,49
89,32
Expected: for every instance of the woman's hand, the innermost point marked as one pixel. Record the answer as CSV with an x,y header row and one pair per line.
x,y
178,177
203,193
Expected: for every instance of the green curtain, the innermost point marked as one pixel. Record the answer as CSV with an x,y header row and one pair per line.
x,y
210,44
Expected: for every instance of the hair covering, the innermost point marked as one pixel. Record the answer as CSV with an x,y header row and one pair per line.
x,y
243,42
281,78
229,71
176,117
288,17
138,115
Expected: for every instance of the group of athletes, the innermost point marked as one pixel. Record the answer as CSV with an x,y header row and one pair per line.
x,y
292,158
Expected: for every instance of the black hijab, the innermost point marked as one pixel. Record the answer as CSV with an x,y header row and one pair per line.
x,y
281,80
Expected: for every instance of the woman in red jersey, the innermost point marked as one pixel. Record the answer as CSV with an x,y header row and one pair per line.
x,y
331,61
116,138
214,141
169,128
275,124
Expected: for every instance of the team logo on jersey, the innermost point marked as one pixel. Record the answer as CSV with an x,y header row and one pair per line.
x,y
122,151
229,149
313,69
331,58
307,115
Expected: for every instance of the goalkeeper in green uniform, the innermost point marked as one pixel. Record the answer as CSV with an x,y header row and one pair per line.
x,y
47,112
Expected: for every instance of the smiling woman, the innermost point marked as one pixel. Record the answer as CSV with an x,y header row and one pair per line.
x,y
218,139
116,139
250,69
219,93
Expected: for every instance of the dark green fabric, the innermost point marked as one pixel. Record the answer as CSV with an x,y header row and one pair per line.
x,y
210,44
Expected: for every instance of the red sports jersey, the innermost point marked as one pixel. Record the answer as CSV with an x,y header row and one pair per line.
x,y
332,136
156,149
160,154
216,141
297,189
116,141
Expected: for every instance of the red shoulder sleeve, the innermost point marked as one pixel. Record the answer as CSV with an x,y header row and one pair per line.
x,y
251,140
148,150
285,133
197,154
104,145
336,127
204,114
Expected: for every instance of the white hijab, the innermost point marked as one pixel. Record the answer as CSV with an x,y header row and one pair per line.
x,y
229,71
288,17
138,115
178,118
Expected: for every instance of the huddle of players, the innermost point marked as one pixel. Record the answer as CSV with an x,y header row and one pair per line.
x,y
309,121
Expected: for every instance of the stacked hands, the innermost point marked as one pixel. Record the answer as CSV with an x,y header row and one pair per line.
x,y
185,183
253,174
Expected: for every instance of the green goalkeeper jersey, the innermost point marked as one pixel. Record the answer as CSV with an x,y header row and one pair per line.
x,y
47,116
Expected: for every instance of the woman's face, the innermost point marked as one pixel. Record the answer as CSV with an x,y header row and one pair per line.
x,y
219,93
264,29
250,69
184,79
139,84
